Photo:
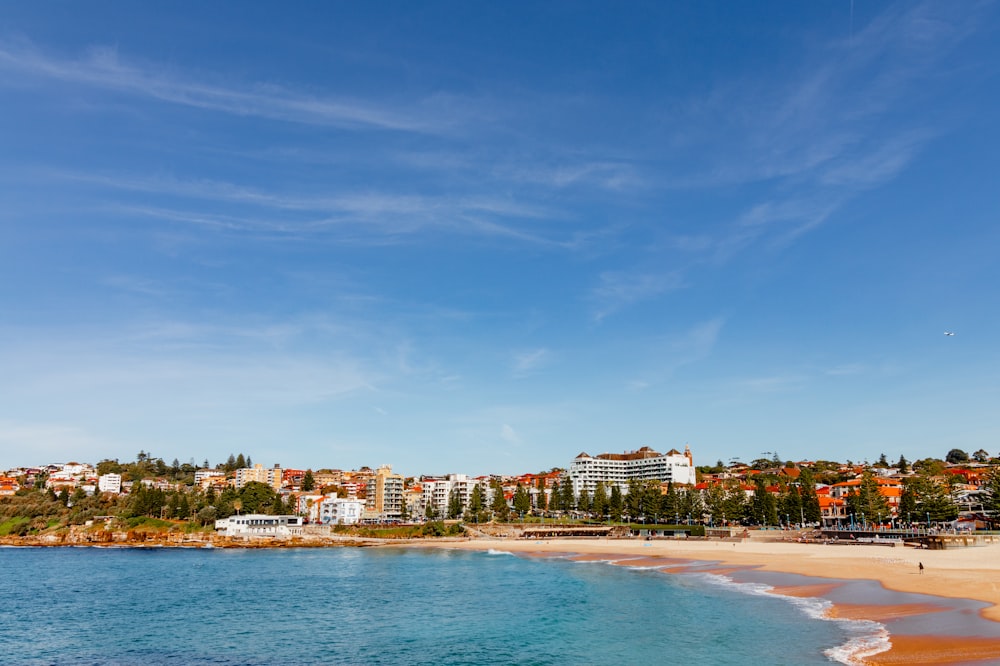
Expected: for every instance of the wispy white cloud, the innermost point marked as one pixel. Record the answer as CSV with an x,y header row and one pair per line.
x,y
827,129
509,435
103,67
351,217
528,362
667,353
619,289
769,384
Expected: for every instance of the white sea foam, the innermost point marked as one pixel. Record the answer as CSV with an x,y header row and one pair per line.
x,y
494,551
866,637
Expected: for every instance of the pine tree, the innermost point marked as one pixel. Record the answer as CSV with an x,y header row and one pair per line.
x,y
555,497
476,504
599,503
541,498
241,462
616,503
499,505
670,507
308,482
908,501
454,504
992,501
764,510
568,500
867,502
522,500
811,510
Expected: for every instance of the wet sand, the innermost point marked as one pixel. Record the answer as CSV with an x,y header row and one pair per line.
x,y
959,574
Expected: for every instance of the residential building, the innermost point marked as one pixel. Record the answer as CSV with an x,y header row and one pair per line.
x,y
587,471
340,511
204,477
110,483
385,494
271,476
8,486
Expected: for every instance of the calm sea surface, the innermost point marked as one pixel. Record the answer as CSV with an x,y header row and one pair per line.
x,y
387,606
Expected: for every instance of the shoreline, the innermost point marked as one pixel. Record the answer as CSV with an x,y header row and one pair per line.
x,y
965,576
960,575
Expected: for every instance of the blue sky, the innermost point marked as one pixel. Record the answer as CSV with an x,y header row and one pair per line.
x,y
484,237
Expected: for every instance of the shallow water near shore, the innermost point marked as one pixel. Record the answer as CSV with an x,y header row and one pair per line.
x,y
392,606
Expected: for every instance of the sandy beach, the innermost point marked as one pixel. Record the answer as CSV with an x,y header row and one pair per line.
x,y
962,573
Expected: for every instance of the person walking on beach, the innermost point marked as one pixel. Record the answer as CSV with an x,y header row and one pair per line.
x,y
920,565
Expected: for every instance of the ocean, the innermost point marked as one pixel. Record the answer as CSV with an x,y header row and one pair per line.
x,y
161,606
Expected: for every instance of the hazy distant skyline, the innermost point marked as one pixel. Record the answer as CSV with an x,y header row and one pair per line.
x,y
485,237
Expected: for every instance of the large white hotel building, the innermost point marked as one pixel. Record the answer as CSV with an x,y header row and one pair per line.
x,y
587,471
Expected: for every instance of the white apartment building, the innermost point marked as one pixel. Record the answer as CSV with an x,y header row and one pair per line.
x,y
341,511
110,483
587,471
259,525
437,492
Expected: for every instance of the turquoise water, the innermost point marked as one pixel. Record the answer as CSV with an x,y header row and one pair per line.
x,y
387,606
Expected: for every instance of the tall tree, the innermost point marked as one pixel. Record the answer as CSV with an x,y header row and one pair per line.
x,y
934,502
477,503
633,499
811,510
541,501
599,503
867,502
499,505
454,504
670,507
584,501
616,503
556,497
736,505
522,500
308,481
790,503
764,511
908,501
715,501
568,500
992,495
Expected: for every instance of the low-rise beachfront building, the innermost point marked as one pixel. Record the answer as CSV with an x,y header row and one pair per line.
x,y
259,525
341,511
675,467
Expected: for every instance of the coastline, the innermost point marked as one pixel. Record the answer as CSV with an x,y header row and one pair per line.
x,y
831,573
960,574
